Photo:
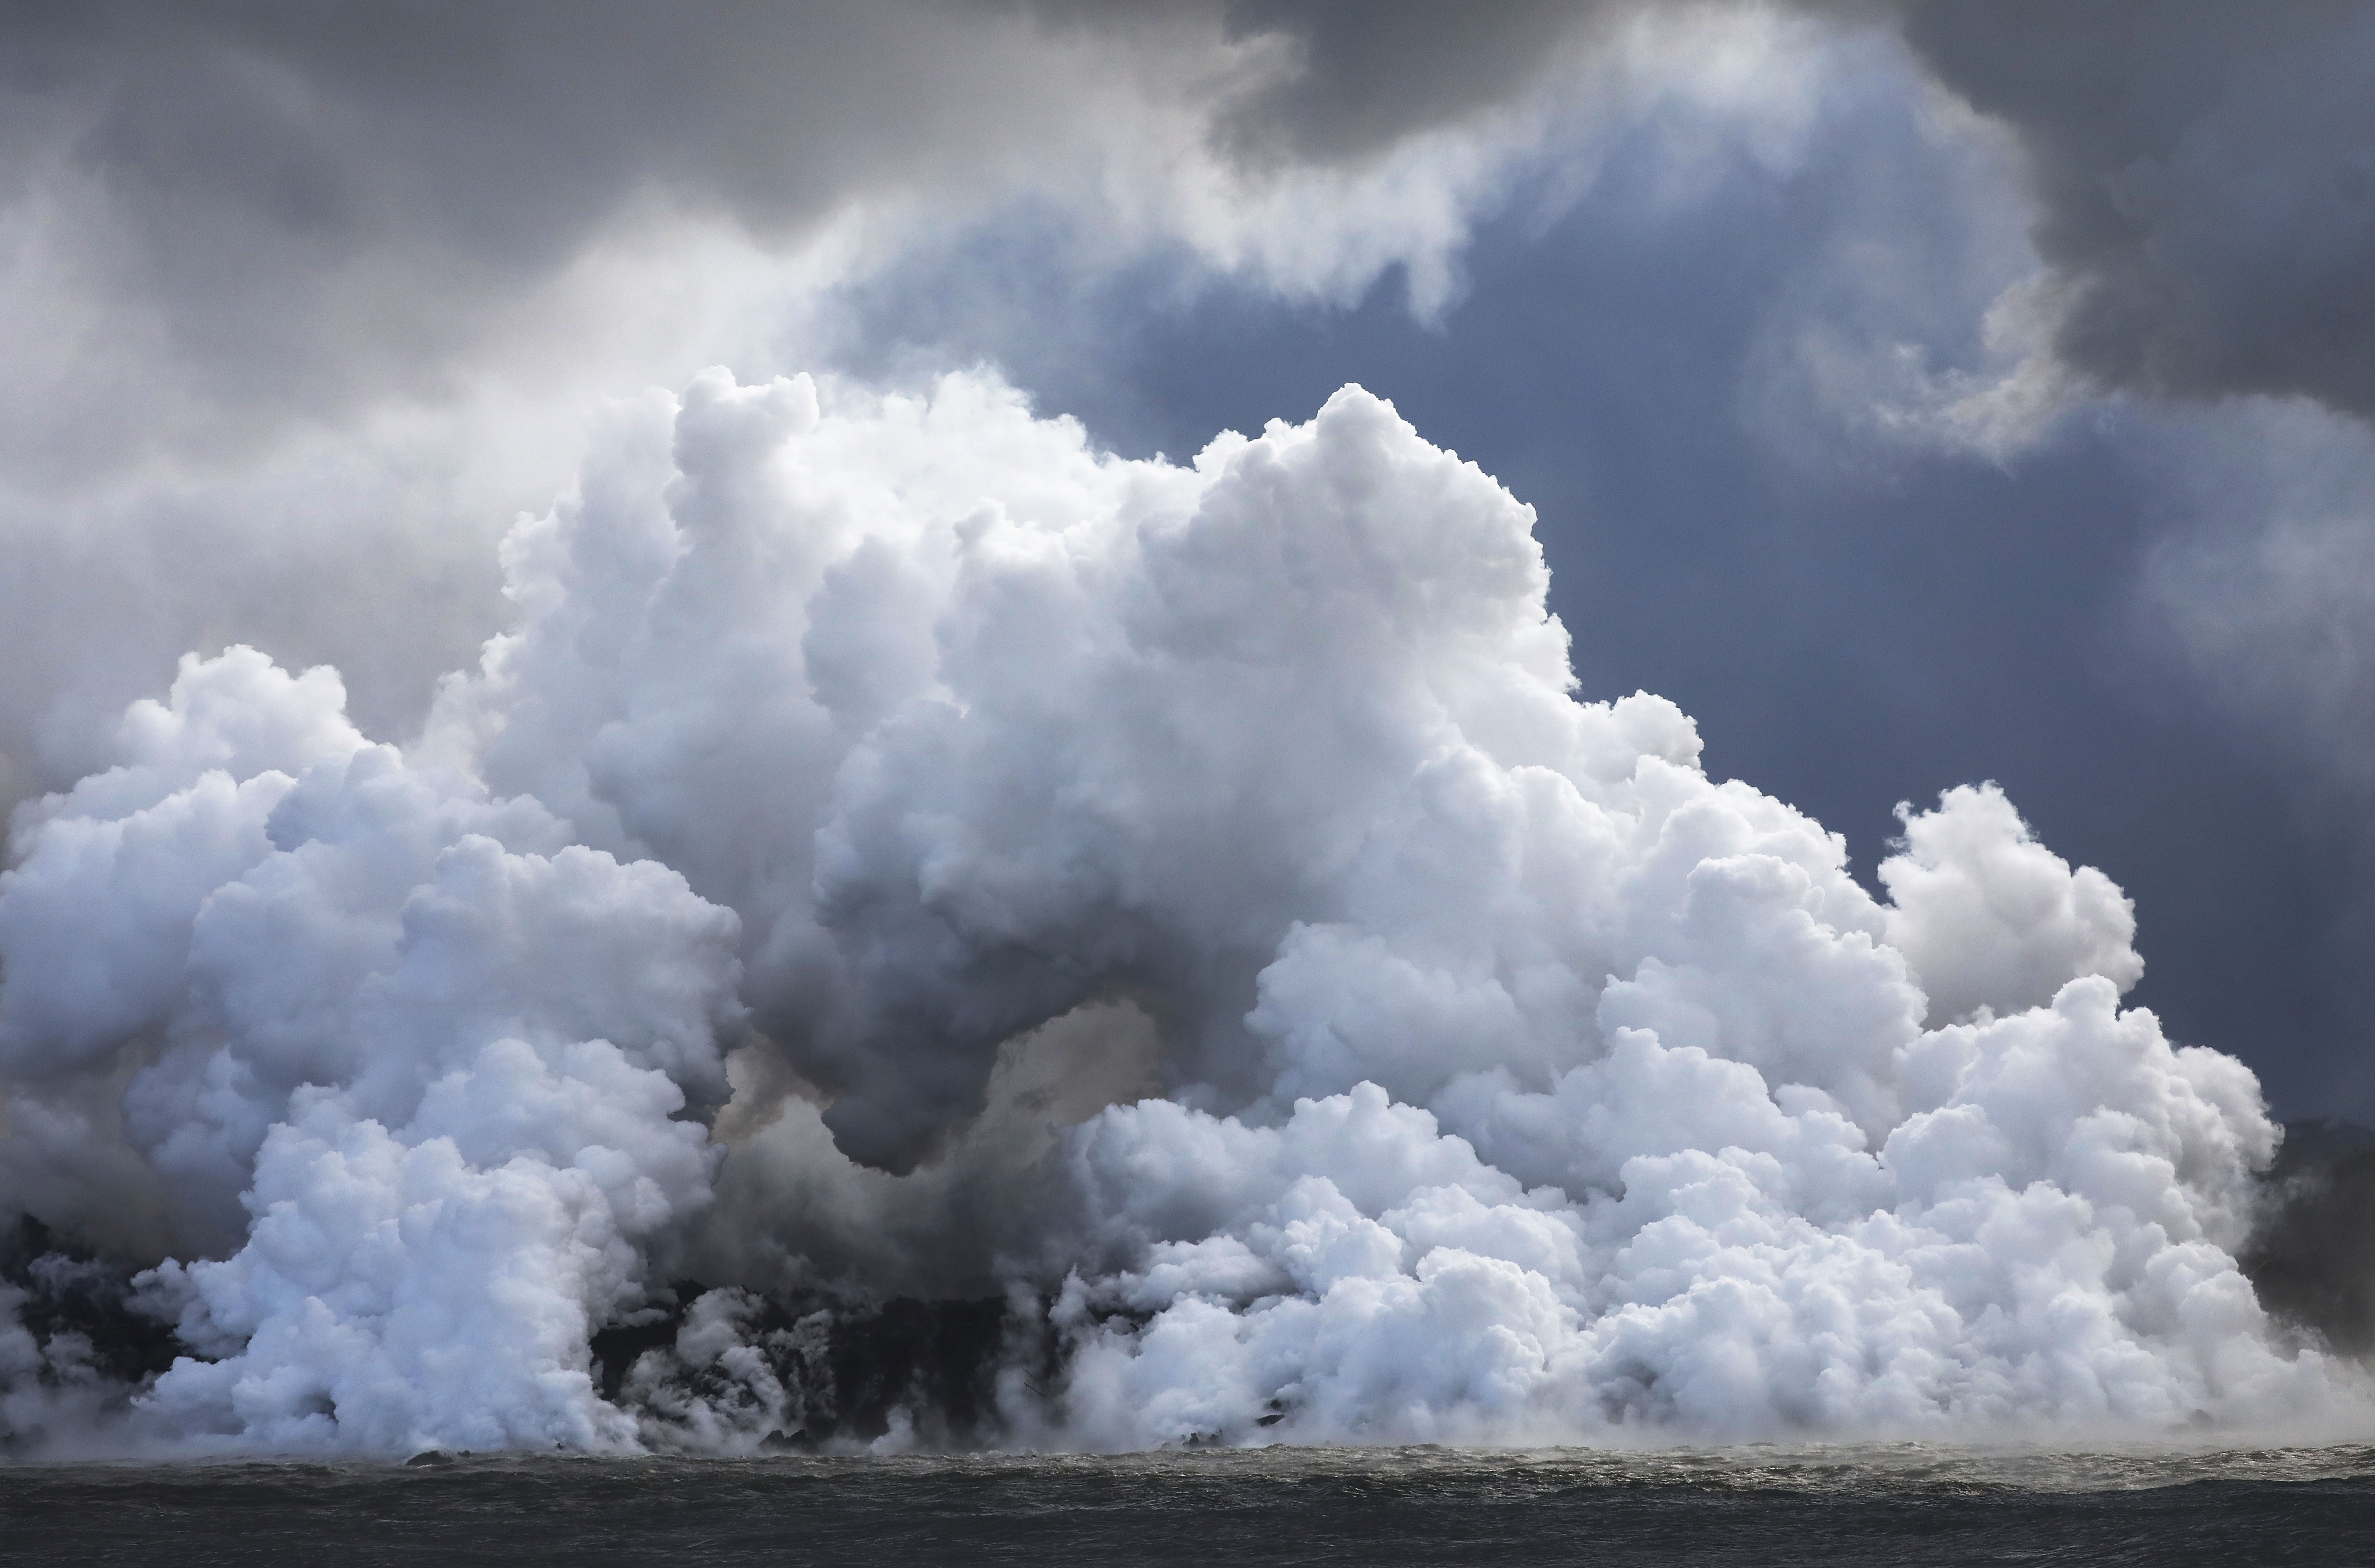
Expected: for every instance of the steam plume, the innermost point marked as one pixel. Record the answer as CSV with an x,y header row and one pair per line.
x,y
901,849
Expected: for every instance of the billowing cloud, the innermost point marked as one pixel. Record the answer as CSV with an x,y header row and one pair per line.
x,y
889,810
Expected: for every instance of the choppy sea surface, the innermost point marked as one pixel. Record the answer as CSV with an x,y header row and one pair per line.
x,y
1762,1505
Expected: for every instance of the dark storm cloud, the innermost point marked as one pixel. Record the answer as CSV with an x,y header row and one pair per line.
x,y
1370,74
2204,173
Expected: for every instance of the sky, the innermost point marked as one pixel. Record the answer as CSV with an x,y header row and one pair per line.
x,y
1916,394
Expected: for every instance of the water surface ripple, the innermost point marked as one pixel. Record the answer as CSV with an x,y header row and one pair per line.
x,y
1832,1506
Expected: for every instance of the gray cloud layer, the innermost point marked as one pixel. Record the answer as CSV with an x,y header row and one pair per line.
x,y
302,206
313,204
2205,178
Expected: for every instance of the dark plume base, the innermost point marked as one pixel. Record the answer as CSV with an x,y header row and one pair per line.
x,y
2312,1255
855,1364
851,1366
72,1292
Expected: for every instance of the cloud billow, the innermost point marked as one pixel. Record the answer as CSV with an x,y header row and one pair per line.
x,y
1479,1069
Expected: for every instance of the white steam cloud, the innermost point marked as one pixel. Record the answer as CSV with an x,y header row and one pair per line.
x,y
901,848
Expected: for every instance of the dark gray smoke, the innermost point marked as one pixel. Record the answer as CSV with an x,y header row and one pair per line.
x,y
2312,1255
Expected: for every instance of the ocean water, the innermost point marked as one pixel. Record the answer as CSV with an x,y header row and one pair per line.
x,y
1754,1506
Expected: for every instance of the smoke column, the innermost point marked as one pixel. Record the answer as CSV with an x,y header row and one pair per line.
x,y
900,850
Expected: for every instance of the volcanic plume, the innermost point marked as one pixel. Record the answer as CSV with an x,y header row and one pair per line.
x,y
900,852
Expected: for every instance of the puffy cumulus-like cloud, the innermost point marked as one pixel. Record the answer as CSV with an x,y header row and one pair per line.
x,y
1189,896
1989,918
425,1056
